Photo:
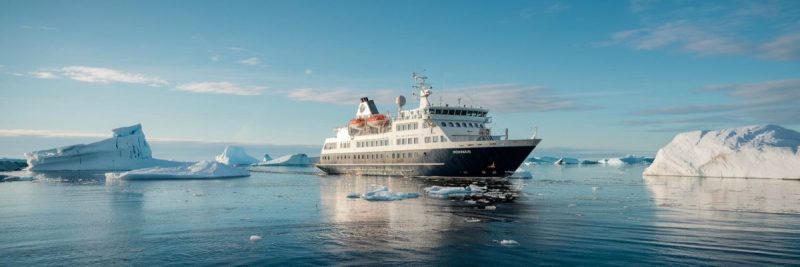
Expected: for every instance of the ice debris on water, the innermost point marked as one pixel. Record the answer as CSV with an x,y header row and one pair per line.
x,y
509,242
472,220
490,208
198,170
255,238
446,191
382,193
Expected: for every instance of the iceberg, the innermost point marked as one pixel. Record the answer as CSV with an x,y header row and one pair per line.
x,y
235,155
566,161
447,191
127,149
542,160
628,159
198,170
521,173
760,151
7,164
382,193
589,162
266,158
288,160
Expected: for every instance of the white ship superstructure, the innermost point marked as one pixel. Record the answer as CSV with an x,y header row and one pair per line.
x,y
429,140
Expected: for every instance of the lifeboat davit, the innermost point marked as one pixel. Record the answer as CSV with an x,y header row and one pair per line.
x,y
377,121
357,123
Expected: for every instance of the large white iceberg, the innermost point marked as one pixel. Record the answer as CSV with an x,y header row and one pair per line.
x,y
761,151
198,170
126,150
235,155
288,160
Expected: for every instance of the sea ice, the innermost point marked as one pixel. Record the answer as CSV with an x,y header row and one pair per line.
x,y
288,160
382,193
542,160
446,191
255,238
199,170
126,150
509,242
7,164
235,155
628,159
760,151
566,161
521,173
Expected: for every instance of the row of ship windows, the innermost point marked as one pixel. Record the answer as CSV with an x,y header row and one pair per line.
x,y
400,141
407,126
400,155
370,143
462,124
458,112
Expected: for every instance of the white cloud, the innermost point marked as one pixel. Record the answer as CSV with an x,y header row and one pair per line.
x,y
250,61
48,133
221,88
498,97
785,47
683,34
216,58
341,96
38,28
105,76
309,72
46,75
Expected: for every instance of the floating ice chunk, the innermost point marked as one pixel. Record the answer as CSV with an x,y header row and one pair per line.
x,y
472,220
288,160
255,238
761,151
490,208
509,243
521,173
127,149
566,161
199,170
542,160
446,191
382,193
235,155
7,164
595,188
628,159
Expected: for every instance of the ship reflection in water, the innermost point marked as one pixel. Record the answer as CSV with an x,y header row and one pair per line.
x,y
563,216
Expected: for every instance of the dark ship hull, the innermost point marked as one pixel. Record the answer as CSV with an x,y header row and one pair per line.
x,y
472,161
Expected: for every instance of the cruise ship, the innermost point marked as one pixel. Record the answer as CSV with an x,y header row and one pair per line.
x,y
443,140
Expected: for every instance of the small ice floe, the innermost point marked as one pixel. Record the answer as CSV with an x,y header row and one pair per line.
x,y
595,188
509,243
472,220
490,208
446,191
521,173
566,161
255,238
471,202
382,193
199,170
353,195
571,205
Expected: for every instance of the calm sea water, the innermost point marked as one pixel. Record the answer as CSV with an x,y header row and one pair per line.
x,y
564,216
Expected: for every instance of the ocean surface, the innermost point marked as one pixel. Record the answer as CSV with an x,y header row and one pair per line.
x,y
596,215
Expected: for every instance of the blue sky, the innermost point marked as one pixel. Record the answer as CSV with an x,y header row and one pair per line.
x,y
592,75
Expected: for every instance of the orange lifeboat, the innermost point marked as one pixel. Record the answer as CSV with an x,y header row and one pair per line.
x,y
377,120
357,123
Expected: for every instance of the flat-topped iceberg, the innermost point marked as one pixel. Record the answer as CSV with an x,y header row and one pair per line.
x,y
198,170
761,151
450,191
382,193
288,160
235,155
127,149
541,160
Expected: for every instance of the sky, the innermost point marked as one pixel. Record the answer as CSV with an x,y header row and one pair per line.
x,y
588,75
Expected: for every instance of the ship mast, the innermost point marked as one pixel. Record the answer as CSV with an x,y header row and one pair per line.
x,y
424,90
